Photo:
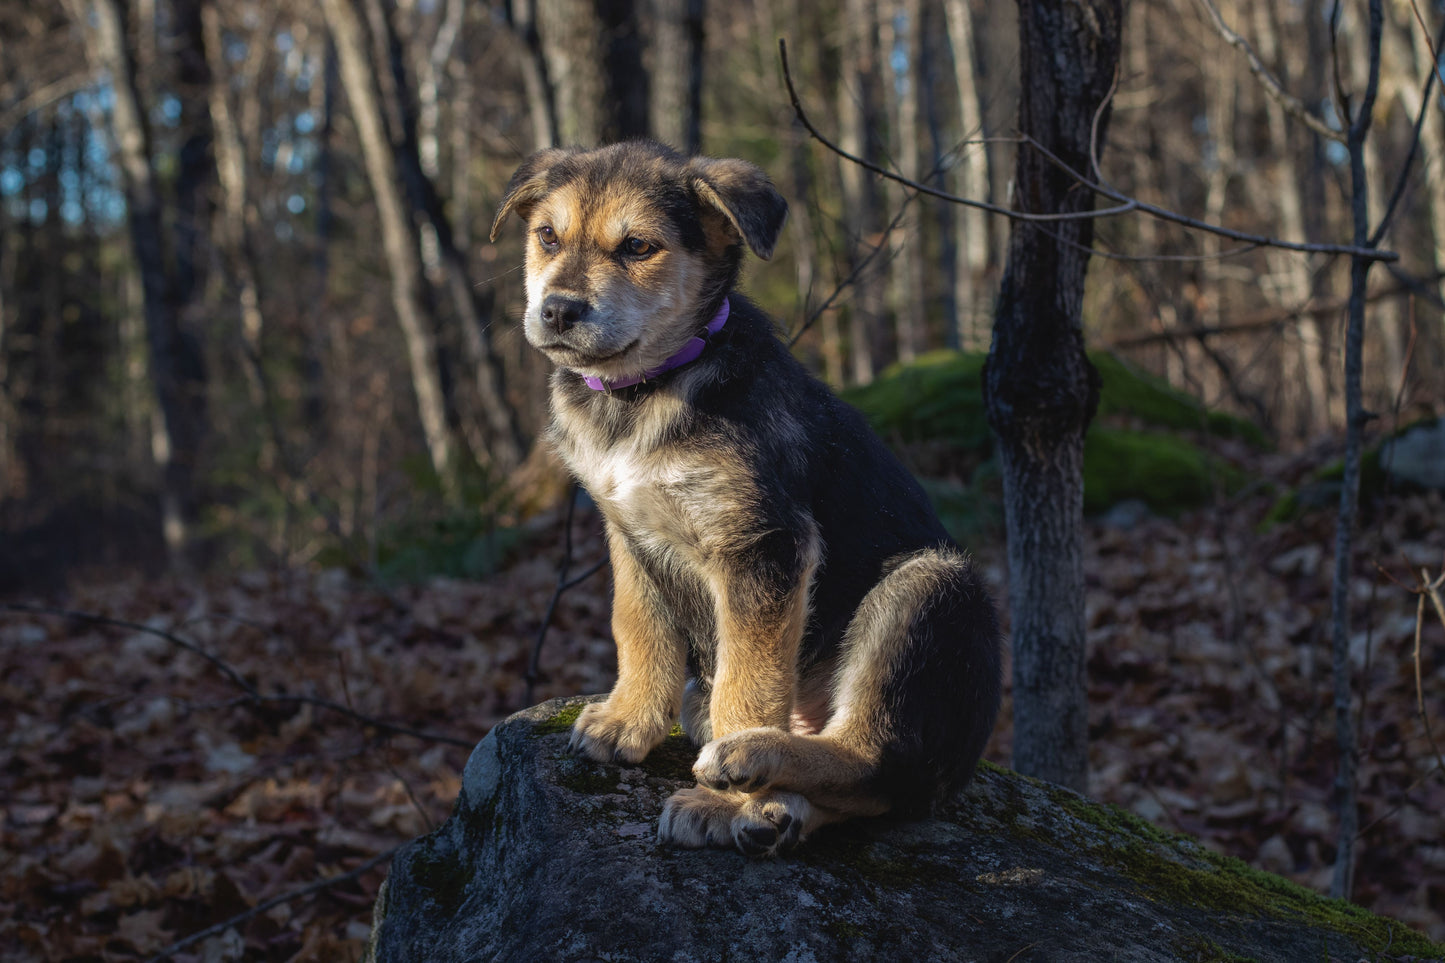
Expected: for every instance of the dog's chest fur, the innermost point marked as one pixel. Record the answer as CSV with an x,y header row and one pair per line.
x,y
656,478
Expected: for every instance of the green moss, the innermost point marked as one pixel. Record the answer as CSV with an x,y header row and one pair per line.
x,y
1197,949
1128,391
586,778
1164,471
849,848
561,722
933,409
673,759
845,932
939,397
1177,869
440,869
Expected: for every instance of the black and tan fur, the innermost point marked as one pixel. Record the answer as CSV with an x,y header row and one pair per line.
x,y
781,583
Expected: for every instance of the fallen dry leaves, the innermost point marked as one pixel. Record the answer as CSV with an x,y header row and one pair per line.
x,y
147,798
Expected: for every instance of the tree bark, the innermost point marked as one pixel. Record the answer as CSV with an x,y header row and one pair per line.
x,y
676,53
1039,387
902,42
858,116
1303,370
593,52
176,364
398,237
536,75
500,444
1343,880
972,180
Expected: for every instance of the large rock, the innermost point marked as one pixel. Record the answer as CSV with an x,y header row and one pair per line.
x,y
552,857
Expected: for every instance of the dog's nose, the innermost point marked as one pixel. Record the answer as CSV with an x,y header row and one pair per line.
x,y
560,313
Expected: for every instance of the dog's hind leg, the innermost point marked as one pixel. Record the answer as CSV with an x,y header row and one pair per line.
x,y
915,694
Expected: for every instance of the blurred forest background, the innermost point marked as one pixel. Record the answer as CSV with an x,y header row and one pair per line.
x,y
267,414
249,311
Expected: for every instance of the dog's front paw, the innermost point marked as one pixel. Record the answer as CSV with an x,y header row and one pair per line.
x,y
696,817
770,823
748,760
605,734
765,824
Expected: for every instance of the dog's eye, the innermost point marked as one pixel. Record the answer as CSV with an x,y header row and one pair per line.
x,y
547,236
637,247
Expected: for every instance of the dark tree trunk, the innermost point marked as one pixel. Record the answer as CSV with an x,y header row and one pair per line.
x,y
176,362
676,50
503,436
593,58
1039,387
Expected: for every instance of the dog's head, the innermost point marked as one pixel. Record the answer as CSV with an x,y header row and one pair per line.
x,y
631,248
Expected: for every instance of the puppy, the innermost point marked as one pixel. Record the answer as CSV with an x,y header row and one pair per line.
x,y
781,583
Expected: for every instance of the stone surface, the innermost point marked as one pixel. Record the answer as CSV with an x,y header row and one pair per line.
x,y
552,857
1418,455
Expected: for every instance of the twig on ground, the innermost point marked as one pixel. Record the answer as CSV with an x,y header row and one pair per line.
x,y
254,696
534,673
265,905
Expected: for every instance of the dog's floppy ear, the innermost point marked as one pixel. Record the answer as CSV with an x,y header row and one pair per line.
x,y
528,186
745,197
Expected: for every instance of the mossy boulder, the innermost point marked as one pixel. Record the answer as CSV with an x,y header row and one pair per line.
x,y
552,857
1411,458
1139,446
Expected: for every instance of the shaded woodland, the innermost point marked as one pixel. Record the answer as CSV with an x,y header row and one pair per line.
x,y
268,420
296,338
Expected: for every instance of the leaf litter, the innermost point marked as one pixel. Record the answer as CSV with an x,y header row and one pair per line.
x,y
147,798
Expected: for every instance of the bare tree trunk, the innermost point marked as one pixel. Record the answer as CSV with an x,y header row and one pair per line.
x,y
536,76
176,365
9,420
1342,883
429,85
1304,370
902,35
858,117
1434,157
945,216
409,297
499,443
1039,387
462,100
594,59
972,180
676,70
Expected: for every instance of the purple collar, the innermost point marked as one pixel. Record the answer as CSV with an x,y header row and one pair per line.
x,y
689,352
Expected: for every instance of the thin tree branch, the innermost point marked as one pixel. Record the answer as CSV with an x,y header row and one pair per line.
x,y
254,696
1164,214
1264,319
1123,203
45,96
854,274
534,665
925,188
1291,104
265,905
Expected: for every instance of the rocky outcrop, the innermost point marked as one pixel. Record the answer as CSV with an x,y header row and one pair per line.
x,y
552,857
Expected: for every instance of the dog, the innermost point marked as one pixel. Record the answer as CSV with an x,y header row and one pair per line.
x,y
781,583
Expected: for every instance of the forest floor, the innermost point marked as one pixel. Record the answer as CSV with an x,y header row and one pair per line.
x,y
149,796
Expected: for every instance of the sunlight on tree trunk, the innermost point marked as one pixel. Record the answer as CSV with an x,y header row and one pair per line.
x,y
398,240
